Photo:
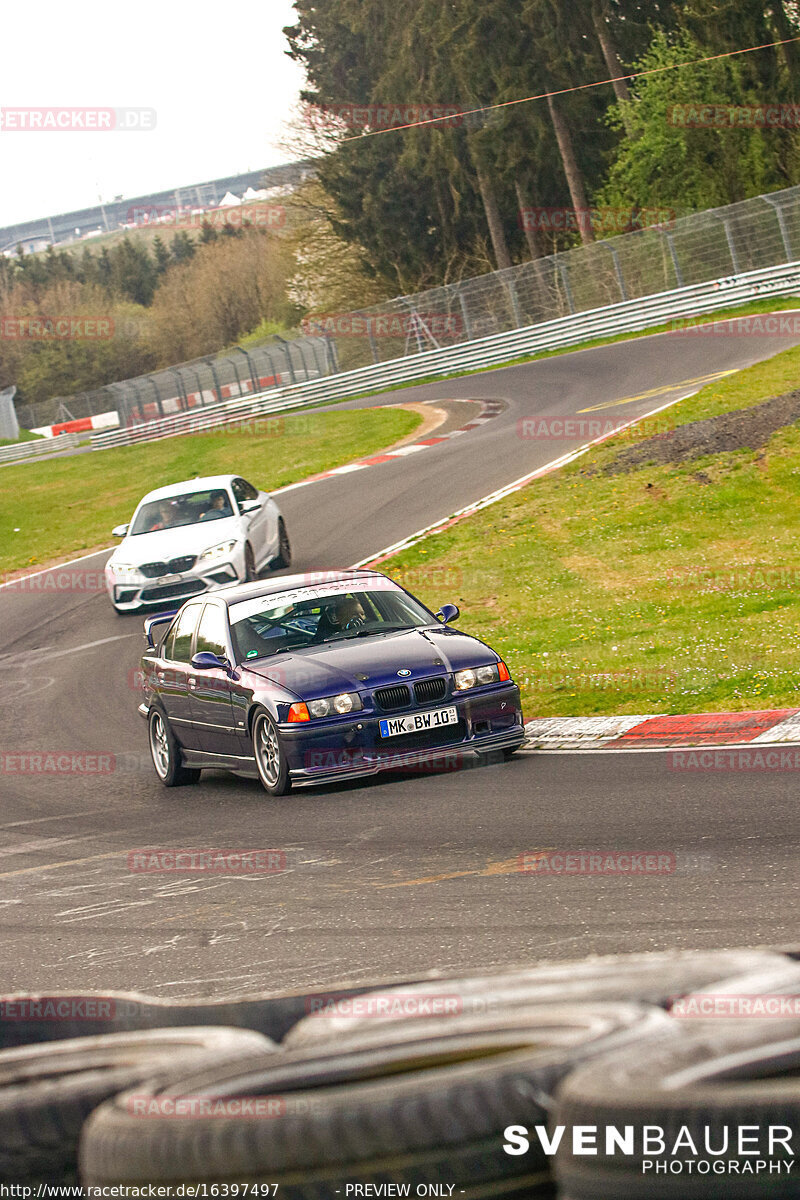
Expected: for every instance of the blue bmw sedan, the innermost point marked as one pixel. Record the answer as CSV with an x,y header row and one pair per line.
x,y
315,678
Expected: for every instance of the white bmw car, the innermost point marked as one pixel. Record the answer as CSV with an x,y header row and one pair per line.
x,y
194,536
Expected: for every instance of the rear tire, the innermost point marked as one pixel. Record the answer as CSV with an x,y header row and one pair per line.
x,y
166,754
270,756
284,555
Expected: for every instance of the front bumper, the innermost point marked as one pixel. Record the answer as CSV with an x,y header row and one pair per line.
x,y
321,752
149,593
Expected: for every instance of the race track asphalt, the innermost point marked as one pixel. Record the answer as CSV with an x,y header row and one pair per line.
x,y
394,877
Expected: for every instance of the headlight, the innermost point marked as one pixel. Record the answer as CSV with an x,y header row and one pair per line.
x,y
123,570
344,703
219,551
478,676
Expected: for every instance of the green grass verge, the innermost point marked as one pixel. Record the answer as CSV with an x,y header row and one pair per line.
x,y
654,591
69,505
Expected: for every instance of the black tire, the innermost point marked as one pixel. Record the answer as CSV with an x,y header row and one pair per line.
x,y
284,556
272,1014
431,1108
706,1075
166,753
249,564
48,1091
646,978
270,756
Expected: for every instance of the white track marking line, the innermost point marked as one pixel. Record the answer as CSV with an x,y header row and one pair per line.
x,y
57,567
508,490
45,650
91,812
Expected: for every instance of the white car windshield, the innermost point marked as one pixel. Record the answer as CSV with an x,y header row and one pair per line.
x,y
190,508
271,624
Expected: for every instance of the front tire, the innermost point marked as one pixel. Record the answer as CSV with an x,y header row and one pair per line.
x,y
284,555
270,756
165,753
249,564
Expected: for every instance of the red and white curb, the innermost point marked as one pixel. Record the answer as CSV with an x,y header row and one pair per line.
x,y
779,726
489,409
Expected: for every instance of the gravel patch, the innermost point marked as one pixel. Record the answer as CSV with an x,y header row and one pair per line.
x,y
743,429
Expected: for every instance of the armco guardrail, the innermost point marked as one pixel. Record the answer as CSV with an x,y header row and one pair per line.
x,y
26,451
488,352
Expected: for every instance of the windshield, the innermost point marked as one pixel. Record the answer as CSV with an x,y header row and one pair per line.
x,y
211,504
272,624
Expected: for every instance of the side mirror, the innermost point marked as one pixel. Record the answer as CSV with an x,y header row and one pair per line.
x,y
448,613
120,531
206,661
251,506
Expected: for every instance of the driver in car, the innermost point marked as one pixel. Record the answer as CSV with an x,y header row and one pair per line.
x,y
348,613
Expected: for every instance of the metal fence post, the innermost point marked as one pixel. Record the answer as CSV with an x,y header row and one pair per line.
x,y
731,244
250,367
562,267
285,348
623,291
779,213
673,253
217,388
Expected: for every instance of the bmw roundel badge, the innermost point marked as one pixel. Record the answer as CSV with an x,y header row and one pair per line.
x,y
404,674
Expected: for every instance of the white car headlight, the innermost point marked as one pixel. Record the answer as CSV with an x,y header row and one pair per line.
x,y
218,551
344,703
123,570
478,676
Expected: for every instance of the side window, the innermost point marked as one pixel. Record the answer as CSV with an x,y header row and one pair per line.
x,y
168,645
182,647
211,632
244,491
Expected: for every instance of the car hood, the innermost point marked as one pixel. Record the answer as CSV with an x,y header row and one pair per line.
x,y
355,664
170,543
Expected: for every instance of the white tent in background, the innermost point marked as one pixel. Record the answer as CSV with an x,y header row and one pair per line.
x,y
228,200
254,194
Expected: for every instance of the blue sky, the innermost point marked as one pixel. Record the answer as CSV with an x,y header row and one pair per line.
x,y
216,75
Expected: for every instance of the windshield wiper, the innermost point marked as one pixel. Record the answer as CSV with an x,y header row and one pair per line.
x,y
383,629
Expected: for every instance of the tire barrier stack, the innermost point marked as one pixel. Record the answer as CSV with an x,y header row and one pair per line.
x,y
593,1080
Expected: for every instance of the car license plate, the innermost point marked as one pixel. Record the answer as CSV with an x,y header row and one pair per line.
x,y
394,726
168,579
